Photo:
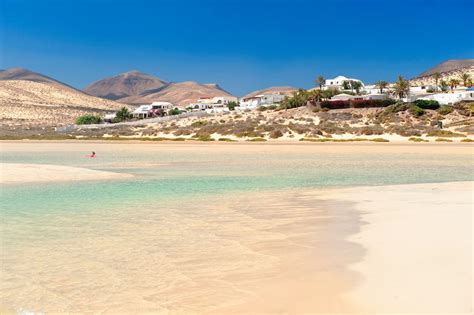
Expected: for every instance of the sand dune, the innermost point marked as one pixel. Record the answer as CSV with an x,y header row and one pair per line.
x,y
28,101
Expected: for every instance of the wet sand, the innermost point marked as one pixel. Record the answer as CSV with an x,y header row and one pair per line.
x,y
20,173
380,249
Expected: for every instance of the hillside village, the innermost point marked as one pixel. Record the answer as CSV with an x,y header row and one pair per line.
x,y
135,105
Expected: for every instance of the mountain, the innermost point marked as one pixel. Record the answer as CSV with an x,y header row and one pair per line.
x,y
286,90
449,65
24,101
123,85
182,93
25,74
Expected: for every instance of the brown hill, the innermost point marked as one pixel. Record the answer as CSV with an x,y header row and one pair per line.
x,y
31,102
449,65
182,93
285,90
446,76
25,74
123,85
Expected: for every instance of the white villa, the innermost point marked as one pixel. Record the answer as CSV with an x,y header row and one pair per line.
x,y
224,99
450,98
152,110
261,100
337,82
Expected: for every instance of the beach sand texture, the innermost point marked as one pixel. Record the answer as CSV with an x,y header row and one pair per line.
x,y
19,173
370,249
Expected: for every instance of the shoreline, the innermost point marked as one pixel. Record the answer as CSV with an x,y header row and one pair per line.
x,y
24,173
367,270
242,142
318,249
409,264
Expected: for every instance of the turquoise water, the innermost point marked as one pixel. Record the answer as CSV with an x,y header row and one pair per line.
x,y
167,175
191,226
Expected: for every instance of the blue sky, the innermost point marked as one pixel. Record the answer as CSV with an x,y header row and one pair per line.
x,y
242,45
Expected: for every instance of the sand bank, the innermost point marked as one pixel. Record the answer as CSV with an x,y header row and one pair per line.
x,y
12,173
418,242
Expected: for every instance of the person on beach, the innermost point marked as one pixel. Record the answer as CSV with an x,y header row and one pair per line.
x,y
92,155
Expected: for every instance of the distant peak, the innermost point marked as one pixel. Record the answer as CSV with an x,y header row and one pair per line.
x,y
17,69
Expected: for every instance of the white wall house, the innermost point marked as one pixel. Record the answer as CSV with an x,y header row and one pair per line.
x,y
152,110
422,89
450,98
374,96
197,107
142,111
224,99
337,82
261,100
162,105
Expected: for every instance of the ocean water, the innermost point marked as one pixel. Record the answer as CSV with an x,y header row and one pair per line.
x,y
188,227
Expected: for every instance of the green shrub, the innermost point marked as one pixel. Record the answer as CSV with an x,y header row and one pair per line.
x,y
467,140
257,140
232,105
415,139
88,119
379,140
416,111
427,104
204,138
443,140
199,123
395,108
276,134
444,133
174,111
226,140
122,115
445,109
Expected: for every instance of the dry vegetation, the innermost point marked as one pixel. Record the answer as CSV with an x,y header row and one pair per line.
x,y
300,124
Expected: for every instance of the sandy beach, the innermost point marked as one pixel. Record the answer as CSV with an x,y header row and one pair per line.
x,y
19,173
269,243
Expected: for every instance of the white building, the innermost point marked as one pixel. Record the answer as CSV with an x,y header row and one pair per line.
x,y
422,89
224,99
374,96
450,98
261,100
152,110
197,107
110,117
166,106
338,82
142,111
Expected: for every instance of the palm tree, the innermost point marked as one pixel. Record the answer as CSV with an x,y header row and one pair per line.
x,y
437,76
320,81
401,87
465,77
469,83
444,85
315,96
346,85
381,85
356,85
453,83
